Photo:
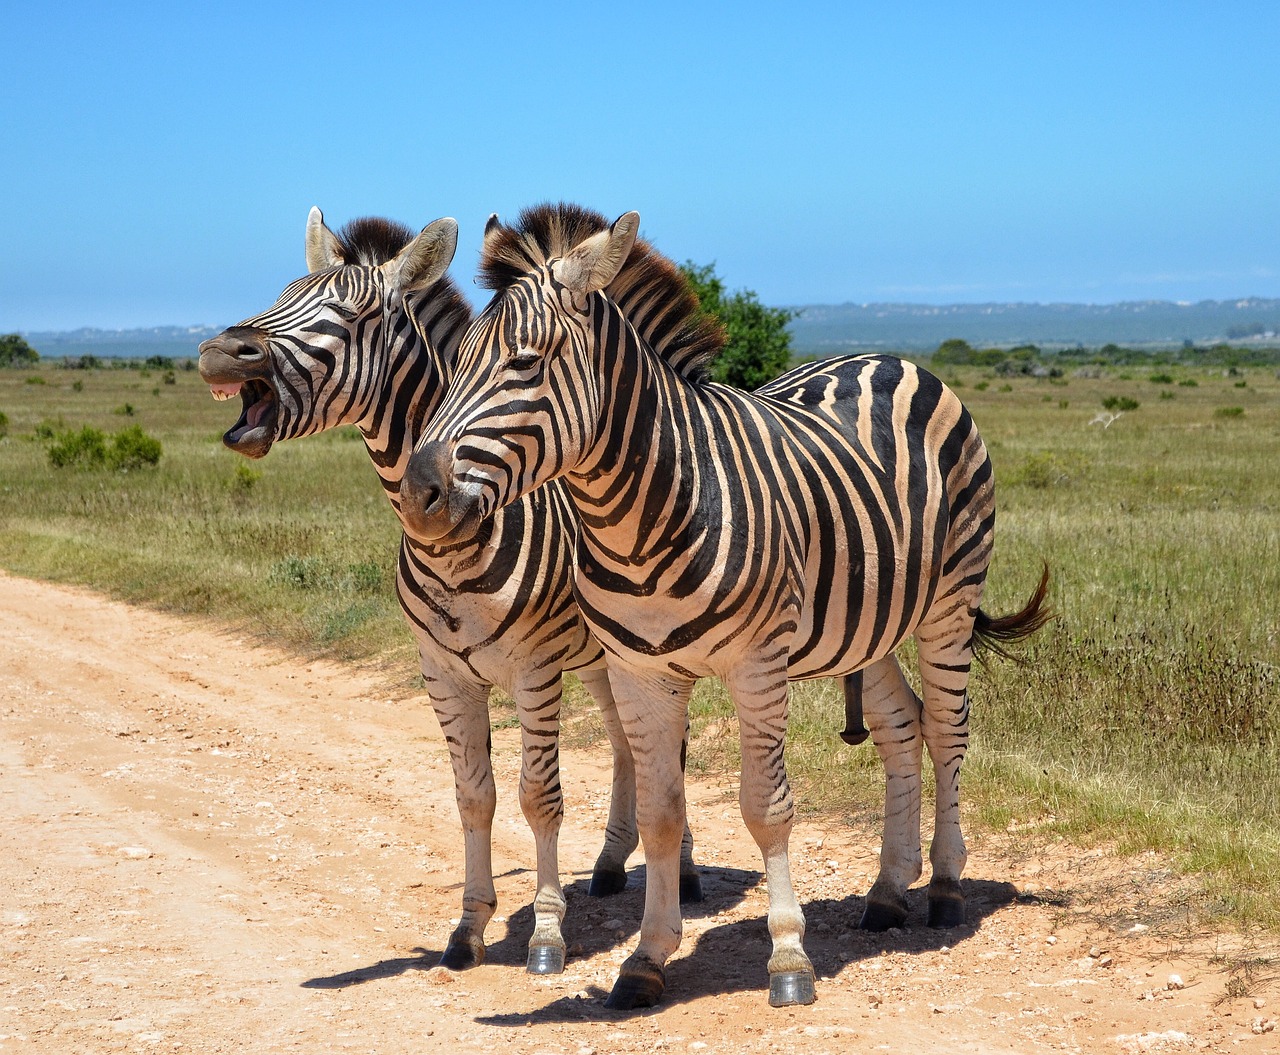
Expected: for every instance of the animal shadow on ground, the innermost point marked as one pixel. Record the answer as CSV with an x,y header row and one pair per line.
x,y
727,958
732,957
591,925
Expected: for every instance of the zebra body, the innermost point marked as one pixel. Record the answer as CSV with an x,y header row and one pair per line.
x,y
803,530
367,338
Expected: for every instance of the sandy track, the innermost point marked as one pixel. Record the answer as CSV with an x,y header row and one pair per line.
x,y
211,847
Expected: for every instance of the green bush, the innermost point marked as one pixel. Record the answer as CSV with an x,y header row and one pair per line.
x,y
1229,412
86,449
1120,403
4,424
1161,379
14,351
132,448
89,448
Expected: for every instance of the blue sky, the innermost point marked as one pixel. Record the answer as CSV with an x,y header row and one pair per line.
x,y
160,159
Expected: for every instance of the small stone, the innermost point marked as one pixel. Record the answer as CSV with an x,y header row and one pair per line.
x,y
1051,940
1258,1002
1094,952
1175,982
135,853
1104,961
613,924
1263,1025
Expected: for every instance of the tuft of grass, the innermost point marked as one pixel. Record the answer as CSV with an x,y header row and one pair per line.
x,y
1229,412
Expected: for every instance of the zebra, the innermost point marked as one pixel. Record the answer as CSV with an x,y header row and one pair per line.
x,y
367,338
803,530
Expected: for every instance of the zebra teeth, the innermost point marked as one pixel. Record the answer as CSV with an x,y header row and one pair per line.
x,y
224,392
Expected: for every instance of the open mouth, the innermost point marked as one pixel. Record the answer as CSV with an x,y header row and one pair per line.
x,y
255,430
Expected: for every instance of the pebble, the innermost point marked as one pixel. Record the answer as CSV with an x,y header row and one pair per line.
x,y
1175,982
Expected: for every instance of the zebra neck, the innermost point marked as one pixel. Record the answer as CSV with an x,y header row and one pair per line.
x,y
416,366
646,475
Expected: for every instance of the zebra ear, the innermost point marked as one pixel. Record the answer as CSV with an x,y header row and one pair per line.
x,y
323,248
595,263
424,260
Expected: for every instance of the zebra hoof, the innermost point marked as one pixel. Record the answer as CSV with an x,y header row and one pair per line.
x,y
640,984
880,916
788,988
605,882
545,959
462,953
690,888
946,903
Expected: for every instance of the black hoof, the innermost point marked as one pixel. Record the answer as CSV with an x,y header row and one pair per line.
x,y
690,888
545,959
640,984
878,916
462,953
787,988
606,882
946,903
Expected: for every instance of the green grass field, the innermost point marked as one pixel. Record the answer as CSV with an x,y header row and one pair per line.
x,y
1147,715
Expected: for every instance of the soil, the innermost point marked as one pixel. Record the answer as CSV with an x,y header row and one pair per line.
x,y
208,846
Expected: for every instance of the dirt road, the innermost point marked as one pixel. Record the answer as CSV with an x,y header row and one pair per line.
x,y
209,847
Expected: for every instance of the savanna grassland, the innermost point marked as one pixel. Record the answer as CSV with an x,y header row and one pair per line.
x,y
1147,715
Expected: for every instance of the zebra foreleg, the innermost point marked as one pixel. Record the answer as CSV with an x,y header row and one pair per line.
x,y
542,802
621,837
464,720
944,671
654,712
769,812
893,711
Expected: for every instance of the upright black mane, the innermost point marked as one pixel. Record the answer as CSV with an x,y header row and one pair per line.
x,y
371,240
649,290
442,311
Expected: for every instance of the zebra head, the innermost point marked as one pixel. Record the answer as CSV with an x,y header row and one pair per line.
x,y
306,364
526,395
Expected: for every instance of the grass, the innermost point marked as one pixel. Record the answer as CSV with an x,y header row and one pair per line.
x,y
1147,716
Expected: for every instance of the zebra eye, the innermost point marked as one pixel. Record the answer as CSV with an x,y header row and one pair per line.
x,y
523,360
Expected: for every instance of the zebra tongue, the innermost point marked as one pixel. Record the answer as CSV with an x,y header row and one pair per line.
x,y
221,392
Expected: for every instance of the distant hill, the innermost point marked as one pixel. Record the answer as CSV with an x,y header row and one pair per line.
x,y
826,329
176,342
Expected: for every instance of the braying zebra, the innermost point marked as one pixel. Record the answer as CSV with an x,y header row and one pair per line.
x,y
367,339
804,530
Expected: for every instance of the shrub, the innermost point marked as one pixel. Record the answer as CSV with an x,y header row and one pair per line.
x,y
86,449
1229,412
1120,403
125,409
132,448
36,379
4,424
1189,382
77,385
244,478
14,351
1161,379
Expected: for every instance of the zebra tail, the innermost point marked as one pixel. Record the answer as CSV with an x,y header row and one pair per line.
x,y
994,634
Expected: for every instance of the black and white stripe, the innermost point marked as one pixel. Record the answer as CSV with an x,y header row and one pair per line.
x,y
368,339
804,530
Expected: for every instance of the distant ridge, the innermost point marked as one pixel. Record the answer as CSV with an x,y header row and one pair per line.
x,y
826,329
175,342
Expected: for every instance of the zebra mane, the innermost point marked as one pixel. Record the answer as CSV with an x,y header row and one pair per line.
x,y
371,240
649,290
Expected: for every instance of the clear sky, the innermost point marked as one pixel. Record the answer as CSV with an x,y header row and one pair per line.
x,y
160,159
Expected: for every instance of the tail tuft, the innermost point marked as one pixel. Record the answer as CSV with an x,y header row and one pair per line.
x,y
993,635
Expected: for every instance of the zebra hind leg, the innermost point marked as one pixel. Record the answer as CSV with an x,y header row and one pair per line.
x,y
621,837
893,711
945,655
